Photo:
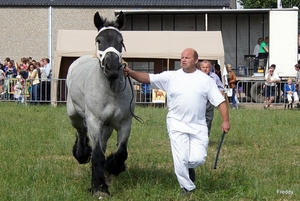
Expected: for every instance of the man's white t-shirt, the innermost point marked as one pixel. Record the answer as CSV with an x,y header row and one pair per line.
x,y
187,95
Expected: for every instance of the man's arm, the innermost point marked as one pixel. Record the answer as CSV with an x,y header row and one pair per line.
x,y
225,116
266,49
138,76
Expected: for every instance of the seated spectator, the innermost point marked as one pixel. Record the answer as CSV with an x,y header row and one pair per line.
x,y
146,93
290,92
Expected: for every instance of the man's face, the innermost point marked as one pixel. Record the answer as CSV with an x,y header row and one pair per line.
x,y
187,62
205,68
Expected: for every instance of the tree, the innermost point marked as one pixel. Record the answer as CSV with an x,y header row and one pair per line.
x,y
269,3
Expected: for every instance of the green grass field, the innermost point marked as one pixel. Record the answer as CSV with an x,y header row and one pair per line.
x,y
259,159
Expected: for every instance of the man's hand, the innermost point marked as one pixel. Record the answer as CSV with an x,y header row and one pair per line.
x,y
225,126
126,71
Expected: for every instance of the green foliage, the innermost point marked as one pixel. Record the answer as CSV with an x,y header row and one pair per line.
x,y
269,3
259,158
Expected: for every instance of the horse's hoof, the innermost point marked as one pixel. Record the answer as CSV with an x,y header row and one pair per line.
x,y
108,178
100,195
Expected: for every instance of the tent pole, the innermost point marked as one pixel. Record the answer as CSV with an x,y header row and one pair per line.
x,y
168,64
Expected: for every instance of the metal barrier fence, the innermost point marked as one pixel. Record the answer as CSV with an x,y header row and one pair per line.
x,y
246,92
255,92
21,91
13,91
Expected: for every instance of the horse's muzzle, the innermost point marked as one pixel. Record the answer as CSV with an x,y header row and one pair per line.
x,y
112,75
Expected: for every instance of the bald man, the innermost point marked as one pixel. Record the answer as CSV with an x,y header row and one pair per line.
x,y
188,91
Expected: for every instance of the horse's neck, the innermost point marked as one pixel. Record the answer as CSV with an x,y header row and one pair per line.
x,y
116,85
119,84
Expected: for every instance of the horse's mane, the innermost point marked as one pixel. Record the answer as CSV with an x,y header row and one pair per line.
x,y
108,23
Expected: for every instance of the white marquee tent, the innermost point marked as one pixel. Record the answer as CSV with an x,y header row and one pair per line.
x,y
139,44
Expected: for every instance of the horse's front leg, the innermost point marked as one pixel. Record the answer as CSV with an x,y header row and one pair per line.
x,y
115,163
81,148
99,185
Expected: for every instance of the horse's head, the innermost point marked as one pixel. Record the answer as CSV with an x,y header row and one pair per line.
x,y
109,43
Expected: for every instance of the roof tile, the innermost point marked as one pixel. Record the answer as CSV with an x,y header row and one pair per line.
x,y
119,3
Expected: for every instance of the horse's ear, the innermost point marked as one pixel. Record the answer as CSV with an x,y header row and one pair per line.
x,y
120,20
98,21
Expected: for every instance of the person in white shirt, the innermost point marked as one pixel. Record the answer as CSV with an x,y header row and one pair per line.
x,y
188,91
270,86
256,52
48,71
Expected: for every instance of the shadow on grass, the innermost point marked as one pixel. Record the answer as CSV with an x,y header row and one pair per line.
x,y
223,180
137,177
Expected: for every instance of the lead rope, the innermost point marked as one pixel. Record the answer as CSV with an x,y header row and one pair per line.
x,y
139,119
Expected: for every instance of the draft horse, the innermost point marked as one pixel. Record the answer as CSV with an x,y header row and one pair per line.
x,y
100,100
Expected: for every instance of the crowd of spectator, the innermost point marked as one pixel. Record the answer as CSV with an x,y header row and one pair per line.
x,y
30,78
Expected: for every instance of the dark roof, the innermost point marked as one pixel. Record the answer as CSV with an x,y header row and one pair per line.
x,y
120,3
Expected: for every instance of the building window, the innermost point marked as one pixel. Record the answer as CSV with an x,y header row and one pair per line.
x,y
142,66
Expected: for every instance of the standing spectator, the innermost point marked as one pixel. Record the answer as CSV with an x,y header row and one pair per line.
x,y
256,52
5,63
218,71
48,70
11,72
298,43
270,85
43,79
263,52
297,68
35,83
205,67
188,91
2,78
264,45
232,84
24,62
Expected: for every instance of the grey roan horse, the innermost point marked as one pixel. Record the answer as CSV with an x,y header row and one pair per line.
x,y
100,100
